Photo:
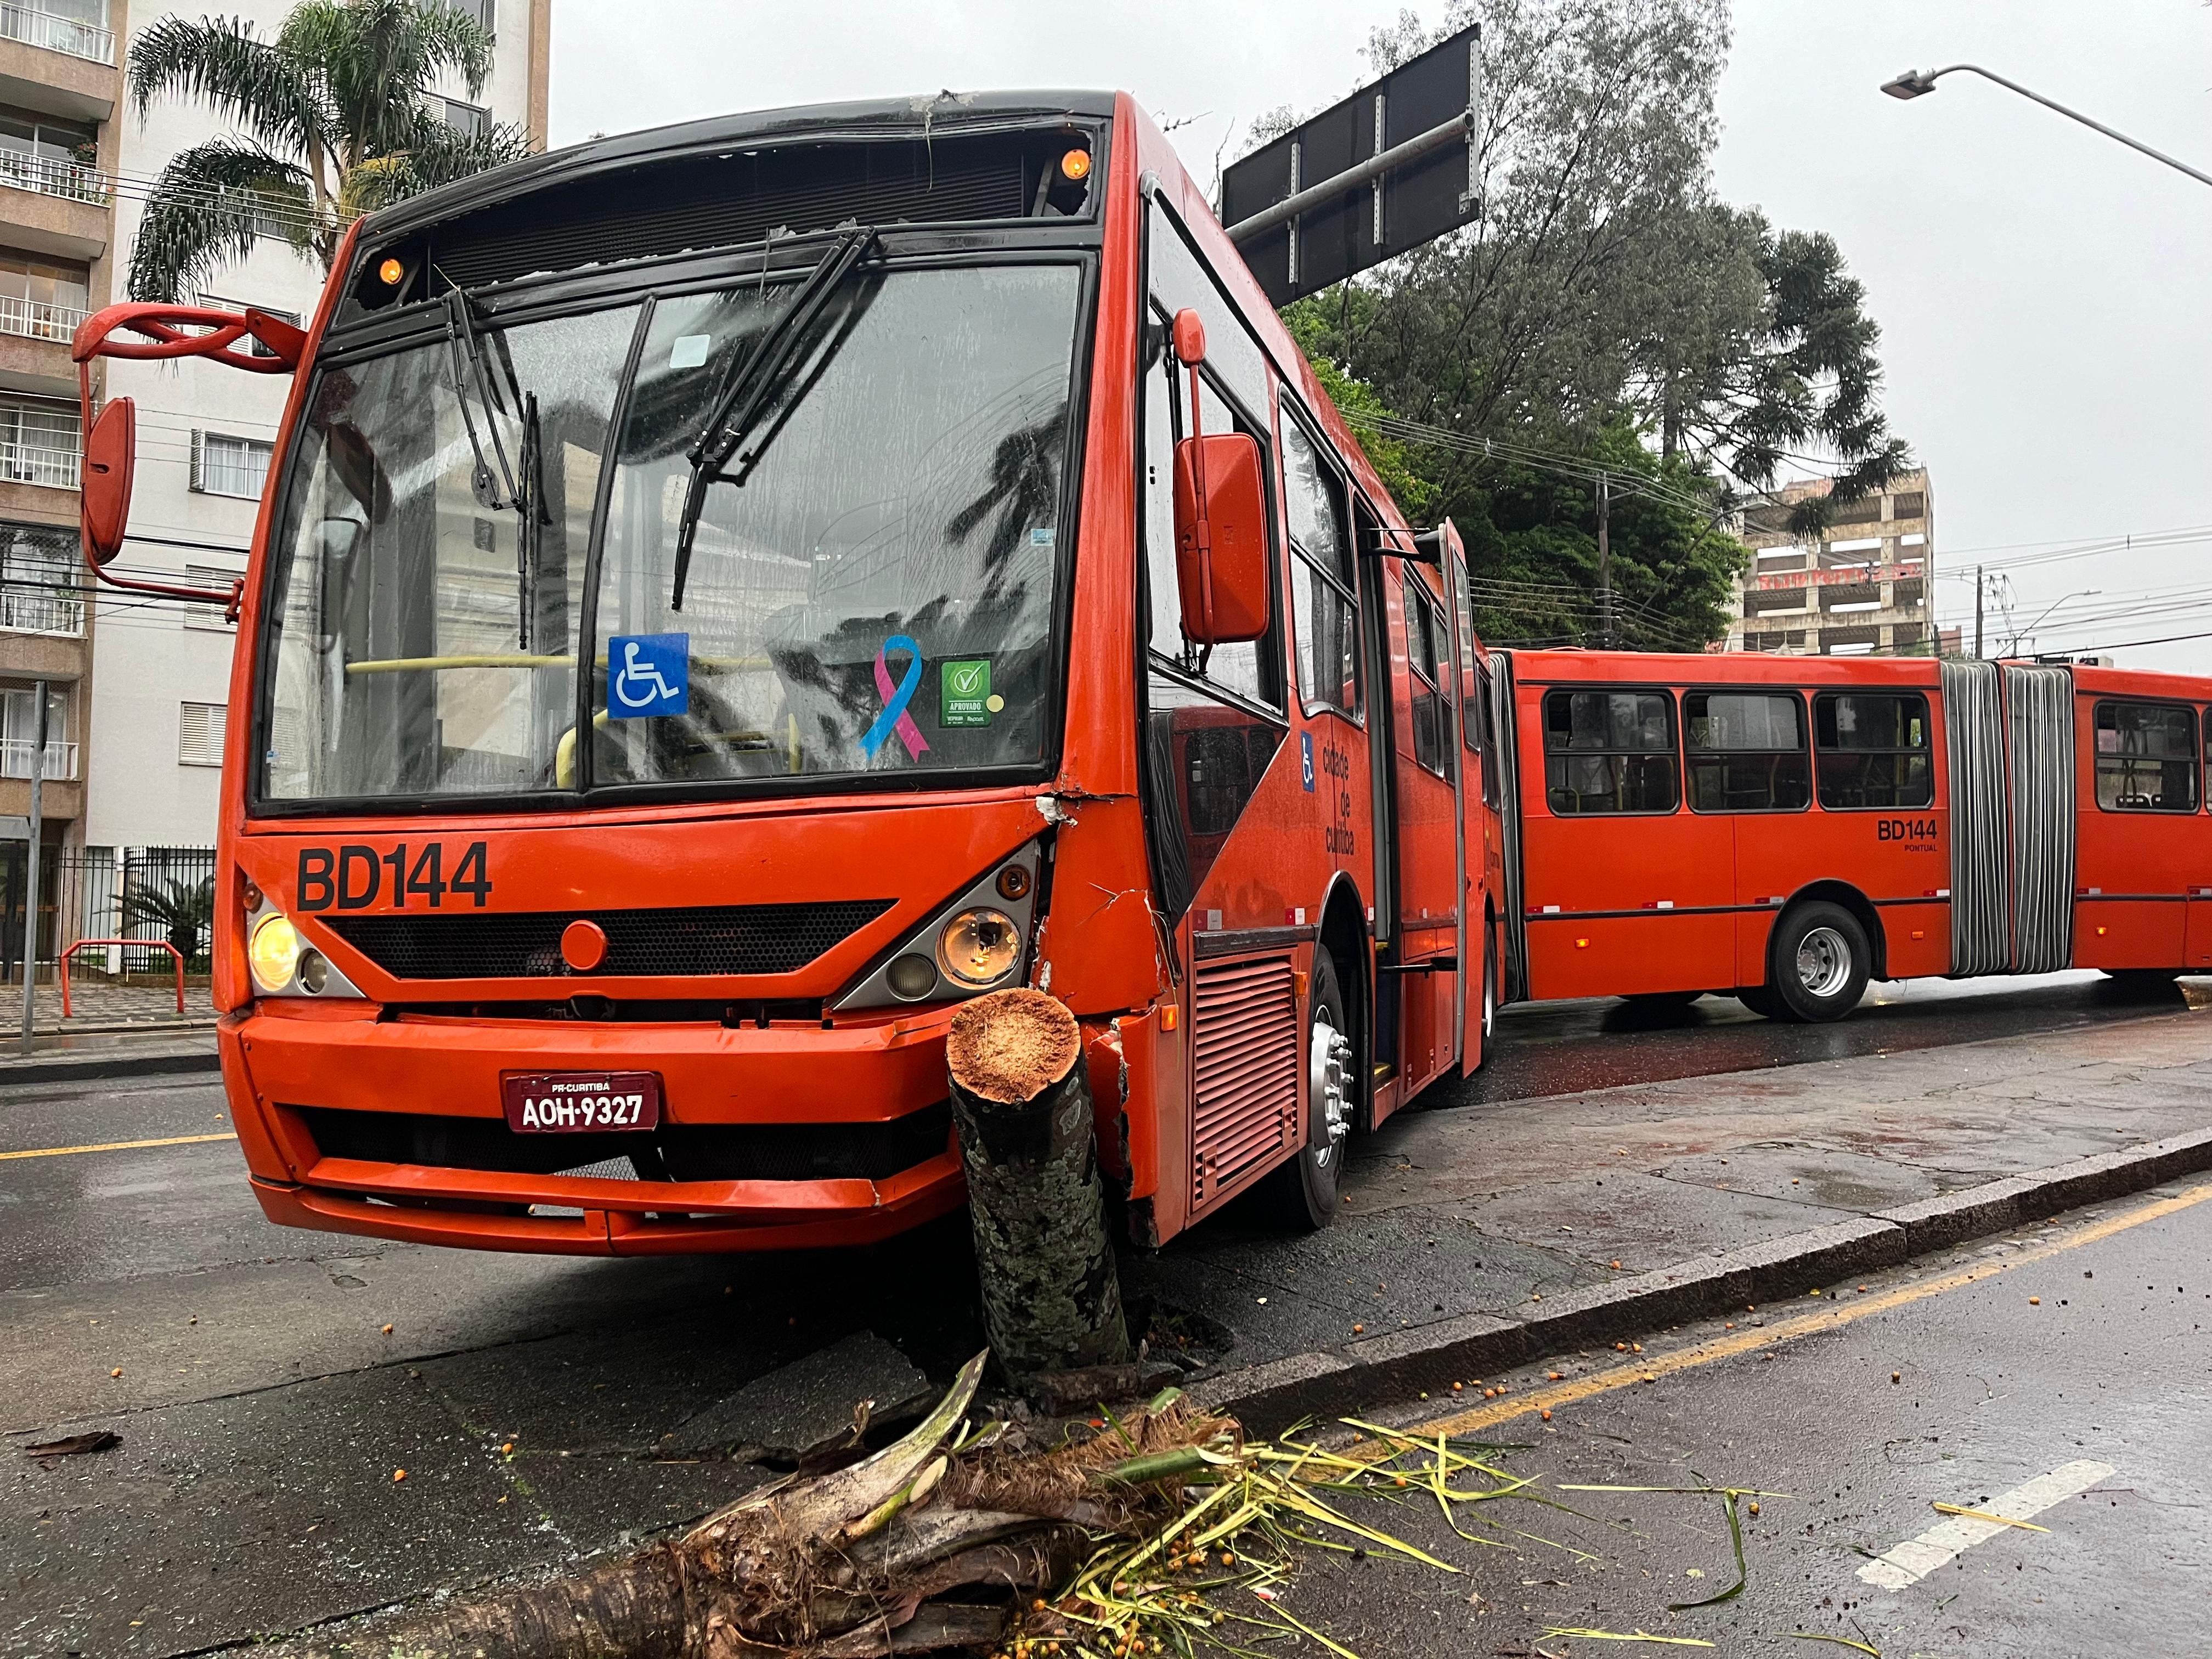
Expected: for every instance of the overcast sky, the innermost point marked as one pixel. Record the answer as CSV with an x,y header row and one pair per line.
x,y
2042,289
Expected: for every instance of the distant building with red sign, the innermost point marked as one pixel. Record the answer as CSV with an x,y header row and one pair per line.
x,y
1862,590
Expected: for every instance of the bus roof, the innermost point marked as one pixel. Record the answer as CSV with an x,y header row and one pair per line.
x,y
884,118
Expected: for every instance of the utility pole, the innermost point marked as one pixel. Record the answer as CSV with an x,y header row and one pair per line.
x,y
1978,611
1605,631
31,864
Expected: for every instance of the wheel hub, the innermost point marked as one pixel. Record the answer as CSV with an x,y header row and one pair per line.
x,y
1329,1080
1823,962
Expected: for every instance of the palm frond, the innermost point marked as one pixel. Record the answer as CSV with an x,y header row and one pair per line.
x,y
219,62
376,57
207,207
436,154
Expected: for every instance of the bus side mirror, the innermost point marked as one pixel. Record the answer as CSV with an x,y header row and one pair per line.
x,y
110,452
1221,538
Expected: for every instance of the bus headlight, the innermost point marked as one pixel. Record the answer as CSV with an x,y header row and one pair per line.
x,y
274,952
979,946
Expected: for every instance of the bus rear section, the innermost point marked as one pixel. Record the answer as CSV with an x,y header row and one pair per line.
x,y
726,599
1784,829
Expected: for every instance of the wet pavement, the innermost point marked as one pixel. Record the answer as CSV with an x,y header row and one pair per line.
x,y
265,1409
2082,1347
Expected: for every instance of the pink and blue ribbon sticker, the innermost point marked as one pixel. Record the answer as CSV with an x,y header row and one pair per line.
x,y
895,697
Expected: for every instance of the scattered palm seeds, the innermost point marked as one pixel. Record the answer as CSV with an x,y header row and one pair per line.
x,y
398,1475
118,1371
2035,1302
1547,1413
387,1330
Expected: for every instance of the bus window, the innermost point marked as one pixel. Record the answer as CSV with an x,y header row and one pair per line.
x,y
1428,650
1745,751
2146,757
1610,751
1325,620
1873,748
1473,697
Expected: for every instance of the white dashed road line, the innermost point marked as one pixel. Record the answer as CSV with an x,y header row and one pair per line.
x,y
1915,1558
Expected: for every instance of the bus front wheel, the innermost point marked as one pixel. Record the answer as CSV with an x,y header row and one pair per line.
x,y
1303,1192
1817,962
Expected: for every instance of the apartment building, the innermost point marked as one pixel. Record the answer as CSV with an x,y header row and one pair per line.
x,y
161,671
60,92
1866,586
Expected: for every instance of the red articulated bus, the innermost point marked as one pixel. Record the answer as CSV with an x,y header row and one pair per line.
x,y
1783,828
726,595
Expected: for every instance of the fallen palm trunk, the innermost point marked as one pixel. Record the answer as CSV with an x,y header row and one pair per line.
x,y
934,1542
1052,1295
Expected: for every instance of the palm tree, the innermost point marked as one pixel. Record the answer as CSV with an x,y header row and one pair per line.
x,y
331,123
183,911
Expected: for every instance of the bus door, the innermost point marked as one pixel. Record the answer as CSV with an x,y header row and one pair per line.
x,y
1626,890
1418,901
1464,682
2138,835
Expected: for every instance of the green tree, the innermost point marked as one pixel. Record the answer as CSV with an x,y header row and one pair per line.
x,y
331,123
184,911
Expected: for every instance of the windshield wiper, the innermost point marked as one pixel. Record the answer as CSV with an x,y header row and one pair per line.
x,y
751,389
467,354
530,505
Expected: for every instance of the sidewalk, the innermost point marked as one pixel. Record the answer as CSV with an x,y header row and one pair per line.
x,y
1473,1237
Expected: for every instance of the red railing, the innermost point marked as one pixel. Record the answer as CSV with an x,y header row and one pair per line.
x,y
142,944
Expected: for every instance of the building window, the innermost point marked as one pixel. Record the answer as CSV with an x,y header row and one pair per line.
x,y
2146,757
199,733
1745,751
252,347
1873,749
224,465
41,581
54,157
19,734
39,301
78,27
40,444
483,11
209,616
1911,506
470,120
1610,751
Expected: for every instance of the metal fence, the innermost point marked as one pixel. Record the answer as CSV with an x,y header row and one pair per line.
x,y
154,893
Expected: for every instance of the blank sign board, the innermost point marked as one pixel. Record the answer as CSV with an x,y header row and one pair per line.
x,y
1408,206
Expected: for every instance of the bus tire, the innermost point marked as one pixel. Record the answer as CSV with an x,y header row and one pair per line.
x,y
1759,1000
1817,962
1489,999
1303,1191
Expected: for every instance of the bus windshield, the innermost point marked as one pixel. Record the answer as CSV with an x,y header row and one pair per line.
x,y
472,525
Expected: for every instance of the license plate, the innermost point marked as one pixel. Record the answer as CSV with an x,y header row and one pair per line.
x,y
580,1103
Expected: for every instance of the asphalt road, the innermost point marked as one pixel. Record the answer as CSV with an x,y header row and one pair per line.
x,y
2065,1366
272,1380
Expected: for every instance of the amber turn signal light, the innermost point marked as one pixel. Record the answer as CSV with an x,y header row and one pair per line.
x,y
391,272
1075,164
1013,882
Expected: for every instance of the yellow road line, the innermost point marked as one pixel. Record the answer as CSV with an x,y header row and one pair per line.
x,y
1654,1366
118,1146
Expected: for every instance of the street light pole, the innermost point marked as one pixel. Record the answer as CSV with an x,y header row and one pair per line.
x,y
1914,84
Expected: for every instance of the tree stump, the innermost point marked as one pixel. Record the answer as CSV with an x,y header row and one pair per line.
x,y
1052,1295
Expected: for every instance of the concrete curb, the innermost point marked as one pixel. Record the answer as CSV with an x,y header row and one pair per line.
x,y
92,1068
1398,1364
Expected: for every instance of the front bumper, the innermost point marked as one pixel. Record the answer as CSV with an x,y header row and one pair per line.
x,y
288,1072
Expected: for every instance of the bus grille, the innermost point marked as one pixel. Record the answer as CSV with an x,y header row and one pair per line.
x,y
1246,1038
674,1152
733,939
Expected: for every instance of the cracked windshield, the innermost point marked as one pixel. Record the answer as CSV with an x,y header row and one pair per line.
x,y
863,582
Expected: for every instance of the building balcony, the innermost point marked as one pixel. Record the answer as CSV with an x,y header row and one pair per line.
x,y
49,469
72,180
35,319
27,609
35,27
16,755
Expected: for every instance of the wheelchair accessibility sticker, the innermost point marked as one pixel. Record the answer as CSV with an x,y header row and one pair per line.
x,y
649,674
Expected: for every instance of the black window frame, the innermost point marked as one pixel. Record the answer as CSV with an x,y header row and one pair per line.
x,y
1436,638
1927,748
2194,754
1804,748
1672,752
1291,413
